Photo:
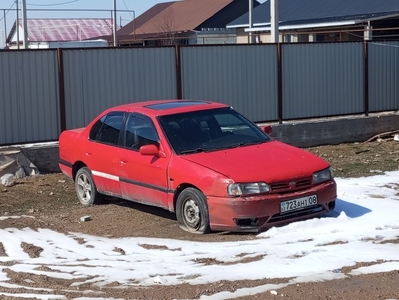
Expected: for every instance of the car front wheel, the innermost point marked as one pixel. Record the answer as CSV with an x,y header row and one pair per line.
x,y
192,211
85,187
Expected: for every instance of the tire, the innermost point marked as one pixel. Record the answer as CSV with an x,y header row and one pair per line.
x,y
85,188
192,211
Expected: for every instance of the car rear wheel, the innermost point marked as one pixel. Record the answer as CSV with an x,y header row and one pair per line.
x,y
85,187
192,211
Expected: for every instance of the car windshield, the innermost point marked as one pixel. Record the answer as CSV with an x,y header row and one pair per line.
x,y
210,130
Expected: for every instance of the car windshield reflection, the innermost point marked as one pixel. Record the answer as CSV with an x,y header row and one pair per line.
x,y
210,130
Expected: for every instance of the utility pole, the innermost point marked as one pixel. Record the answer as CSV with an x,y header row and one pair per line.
x,y
134,25
115,29
250,23
5,27
17,24
274,21
25,25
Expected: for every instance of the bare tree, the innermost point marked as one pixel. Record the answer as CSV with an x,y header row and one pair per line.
x,y
166,28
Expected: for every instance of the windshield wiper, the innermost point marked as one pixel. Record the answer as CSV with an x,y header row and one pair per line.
x,y
238,145
196,150
246,144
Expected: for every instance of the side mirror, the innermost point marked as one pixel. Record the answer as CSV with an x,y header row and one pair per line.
x,y
267,129
151,150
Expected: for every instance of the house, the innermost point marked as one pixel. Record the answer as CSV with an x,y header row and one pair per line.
x,y
42,33
185,22
323,20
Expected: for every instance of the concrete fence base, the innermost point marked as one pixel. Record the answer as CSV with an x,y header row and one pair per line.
x,y
334,131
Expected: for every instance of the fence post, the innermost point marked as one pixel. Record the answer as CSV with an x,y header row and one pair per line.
x,y
280,82
61,85
178,73
366,77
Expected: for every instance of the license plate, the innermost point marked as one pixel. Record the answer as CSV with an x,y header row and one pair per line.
x,y
296,204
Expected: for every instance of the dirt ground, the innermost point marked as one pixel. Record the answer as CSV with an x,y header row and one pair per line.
x,y
52,201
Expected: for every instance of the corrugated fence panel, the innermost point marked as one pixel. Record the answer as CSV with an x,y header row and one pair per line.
x,y
242,76
29,97
322,79
96,79
383,76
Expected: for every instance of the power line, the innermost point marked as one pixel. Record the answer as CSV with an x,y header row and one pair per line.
x,y
71,9
7,11
55,4
128,9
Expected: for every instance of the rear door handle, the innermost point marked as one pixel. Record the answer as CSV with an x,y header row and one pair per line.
x,y
123,162
88,154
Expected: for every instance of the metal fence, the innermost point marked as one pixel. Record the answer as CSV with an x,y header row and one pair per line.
x,y
242,76
383,75
29,97
45,92
322,80
98,79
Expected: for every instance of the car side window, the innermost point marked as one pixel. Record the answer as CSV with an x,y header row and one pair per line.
x,y
140,131
108,128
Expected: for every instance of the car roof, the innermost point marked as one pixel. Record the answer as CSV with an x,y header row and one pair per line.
x,y
168,107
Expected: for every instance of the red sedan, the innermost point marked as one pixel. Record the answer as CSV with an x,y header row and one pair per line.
x,y
201,160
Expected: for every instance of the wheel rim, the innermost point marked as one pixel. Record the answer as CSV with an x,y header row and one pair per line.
x,y
84,188
191,213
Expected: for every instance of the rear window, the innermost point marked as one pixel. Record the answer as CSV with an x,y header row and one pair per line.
x,y
107,129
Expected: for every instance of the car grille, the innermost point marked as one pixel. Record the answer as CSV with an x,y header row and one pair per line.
x,y
292,185
295,214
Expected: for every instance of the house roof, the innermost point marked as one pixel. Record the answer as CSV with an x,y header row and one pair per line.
x,y
177,16
62,30
300,12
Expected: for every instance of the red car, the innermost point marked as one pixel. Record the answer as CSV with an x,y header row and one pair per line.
x,y
201,160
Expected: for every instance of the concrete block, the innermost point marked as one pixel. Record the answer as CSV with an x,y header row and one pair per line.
x,y
85,218
45,157
334,131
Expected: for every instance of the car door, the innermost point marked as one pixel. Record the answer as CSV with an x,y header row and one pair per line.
x,y
143,178
102,152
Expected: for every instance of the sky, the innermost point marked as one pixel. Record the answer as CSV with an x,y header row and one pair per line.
x,y
358,230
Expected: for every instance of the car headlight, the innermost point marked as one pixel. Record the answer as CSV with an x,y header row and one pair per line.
x,y
322,176
239,189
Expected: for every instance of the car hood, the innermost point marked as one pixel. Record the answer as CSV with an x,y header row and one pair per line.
x,y
271,162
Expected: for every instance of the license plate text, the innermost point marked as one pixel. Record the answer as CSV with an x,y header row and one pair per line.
x,y
296,204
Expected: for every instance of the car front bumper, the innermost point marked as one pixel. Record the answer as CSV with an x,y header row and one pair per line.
x,y
254,213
